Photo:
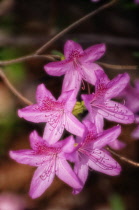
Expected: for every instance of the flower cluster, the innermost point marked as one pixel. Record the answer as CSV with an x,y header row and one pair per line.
x,y
52,154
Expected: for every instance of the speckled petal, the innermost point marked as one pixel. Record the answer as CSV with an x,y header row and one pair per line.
x,y
116,112
42,179
34,113
43,93
28,157
70,47
102,162
54,129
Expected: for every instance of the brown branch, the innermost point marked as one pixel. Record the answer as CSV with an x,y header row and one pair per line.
x,y
47,44
13,89
118,67
33,40
73,25
131,162
28,57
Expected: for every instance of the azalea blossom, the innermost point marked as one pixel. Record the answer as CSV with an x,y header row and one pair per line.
x,y
136,1
50,160
99,104
77,66
131,97
90,152
57,114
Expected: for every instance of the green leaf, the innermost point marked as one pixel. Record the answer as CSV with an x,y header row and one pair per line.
x,y
116,202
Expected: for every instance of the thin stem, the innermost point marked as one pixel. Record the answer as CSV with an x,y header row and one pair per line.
x,y
118,67
13,89
73,25
28,57
88,87
131,162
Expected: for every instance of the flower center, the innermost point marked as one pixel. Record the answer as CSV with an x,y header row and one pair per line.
x,y
74,54
44,149
48,104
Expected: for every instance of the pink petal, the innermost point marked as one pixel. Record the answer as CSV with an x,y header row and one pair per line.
x,y
93,53
69,97
137,119
68,144
102,81
81,170
71,47
87,98
34,113
35,139
102,162
135,133
42,179
116,86
98,120
88,72
54,129
66,174
90,126
28,157
106,137
57,68
117,145
117,112
72,81
43,94
73,125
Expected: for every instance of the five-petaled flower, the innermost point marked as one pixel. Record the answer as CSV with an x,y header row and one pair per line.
x,y
99,104
89,152
57,114
50,160
77,66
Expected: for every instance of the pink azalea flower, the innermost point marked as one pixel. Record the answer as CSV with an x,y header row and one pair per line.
x,y
99,104
135,133
50,160
131,97
77,66
95,1
11,201
57,114
136,1
90,152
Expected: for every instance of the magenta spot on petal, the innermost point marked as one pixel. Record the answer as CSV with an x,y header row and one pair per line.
x,y
44,149
74,54
48,104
